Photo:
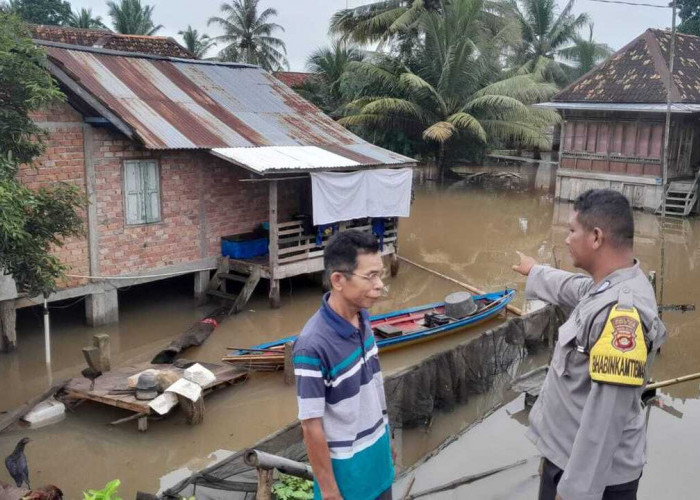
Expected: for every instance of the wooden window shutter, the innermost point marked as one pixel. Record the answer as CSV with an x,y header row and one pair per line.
x,y
133,193
151,190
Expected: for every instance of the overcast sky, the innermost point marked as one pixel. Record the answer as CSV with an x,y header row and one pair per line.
x,y
306,21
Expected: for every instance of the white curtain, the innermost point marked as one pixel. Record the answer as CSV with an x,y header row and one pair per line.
x,y
339,196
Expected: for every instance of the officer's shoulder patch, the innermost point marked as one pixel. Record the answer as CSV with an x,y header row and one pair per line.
x,y
619,355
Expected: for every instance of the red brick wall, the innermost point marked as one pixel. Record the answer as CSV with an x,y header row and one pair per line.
x,y
62,161
192,183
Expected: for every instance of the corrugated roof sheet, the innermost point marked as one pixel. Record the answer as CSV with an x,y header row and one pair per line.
x,y
180,104
638,73
616,106
281,158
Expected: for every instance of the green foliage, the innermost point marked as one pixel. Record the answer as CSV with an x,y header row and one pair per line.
x,y
109,492
585,53
31,222
130,17
83,19
195,42
545,31
41,11
455,93
328,65
689,13
293,488
248,35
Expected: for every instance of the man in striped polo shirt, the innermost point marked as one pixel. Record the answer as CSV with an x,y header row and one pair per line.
x,y
342,406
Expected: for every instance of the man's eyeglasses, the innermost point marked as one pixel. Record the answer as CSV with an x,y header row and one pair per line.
x,y
373,276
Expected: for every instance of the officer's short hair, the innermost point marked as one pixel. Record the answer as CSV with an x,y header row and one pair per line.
x,y
608,210
342,251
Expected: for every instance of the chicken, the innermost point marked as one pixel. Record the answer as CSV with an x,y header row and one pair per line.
x,y
16,464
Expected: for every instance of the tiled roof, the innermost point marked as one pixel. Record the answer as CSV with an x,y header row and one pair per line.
x,y
638,73
292,78
157,45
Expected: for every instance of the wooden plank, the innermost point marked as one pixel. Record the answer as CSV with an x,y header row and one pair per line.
x,y
247,291
222,295
15,415
274,226
289,224
233,277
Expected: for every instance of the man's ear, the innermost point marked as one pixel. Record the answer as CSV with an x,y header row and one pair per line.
x,y
598,237
337,280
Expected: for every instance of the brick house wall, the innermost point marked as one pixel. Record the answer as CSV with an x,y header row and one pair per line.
x,y
202,198
63,160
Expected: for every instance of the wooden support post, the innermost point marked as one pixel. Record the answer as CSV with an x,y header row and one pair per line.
x,y
394,264
288,364
265,480
101,342
274,247
142,423
93,236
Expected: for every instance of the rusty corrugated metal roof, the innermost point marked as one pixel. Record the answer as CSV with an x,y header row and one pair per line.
x,y
182,104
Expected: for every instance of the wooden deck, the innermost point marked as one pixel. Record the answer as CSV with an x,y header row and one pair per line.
x,y
109,387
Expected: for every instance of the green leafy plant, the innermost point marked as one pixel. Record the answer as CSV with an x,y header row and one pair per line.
x,y
109,492
292,487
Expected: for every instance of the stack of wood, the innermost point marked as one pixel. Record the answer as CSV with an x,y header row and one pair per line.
x,y
270,359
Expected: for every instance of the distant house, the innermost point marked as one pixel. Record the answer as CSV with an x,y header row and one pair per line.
x,y
175,153
613,130
292,78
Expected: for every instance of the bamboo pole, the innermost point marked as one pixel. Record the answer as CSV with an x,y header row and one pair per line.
x,y
673,381
515,310
464,480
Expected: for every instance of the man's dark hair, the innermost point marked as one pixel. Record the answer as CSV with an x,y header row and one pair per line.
x,y
342,251
608,210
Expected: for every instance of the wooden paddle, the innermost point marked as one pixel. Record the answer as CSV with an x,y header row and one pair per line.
x,y
515,310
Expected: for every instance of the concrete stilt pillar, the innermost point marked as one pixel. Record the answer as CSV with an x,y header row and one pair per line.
x,y
201,282
8,323
102,308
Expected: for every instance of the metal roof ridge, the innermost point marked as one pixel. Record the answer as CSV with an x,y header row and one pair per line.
x,y
140,55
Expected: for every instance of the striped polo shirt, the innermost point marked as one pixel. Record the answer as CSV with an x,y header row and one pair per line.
x,y
338,379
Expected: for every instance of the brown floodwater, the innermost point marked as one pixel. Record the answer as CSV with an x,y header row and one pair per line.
x,y
468,233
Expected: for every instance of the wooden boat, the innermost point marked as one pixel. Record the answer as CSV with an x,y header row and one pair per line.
x,y
392,330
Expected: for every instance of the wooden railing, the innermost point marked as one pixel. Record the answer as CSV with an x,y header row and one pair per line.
x,y
294,245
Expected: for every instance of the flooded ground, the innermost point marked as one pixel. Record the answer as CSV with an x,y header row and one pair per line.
x,y
468,233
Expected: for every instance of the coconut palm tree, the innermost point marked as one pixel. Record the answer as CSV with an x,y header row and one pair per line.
x,y
84,19
195,42
248,35
545,32
455,95
585,53
130,17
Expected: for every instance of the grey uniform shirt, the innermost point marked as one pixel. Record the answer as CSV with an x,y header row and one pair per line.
x,y
594,432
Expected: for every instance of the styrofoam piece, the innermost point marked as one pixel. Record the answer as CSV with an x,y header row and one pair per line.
x,y
164,403
46,410
185,388
199,375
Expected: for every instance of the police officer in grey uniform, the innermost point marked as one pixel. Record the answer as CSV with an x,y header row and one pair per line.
x,y
588,421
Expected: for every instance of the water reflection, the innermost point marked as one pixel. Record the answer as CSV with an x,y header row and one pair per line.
x,y
468,233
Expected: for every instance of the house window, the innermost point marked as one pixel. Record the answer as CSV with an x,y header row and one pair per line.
x,y
142,191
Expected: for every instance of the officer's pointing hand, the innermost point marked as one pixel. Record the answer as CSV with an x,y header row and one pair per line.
x,y
525,265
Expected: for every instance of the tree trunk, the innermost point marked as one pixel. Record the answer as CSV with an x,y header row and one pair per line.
x,y
441,161
8,330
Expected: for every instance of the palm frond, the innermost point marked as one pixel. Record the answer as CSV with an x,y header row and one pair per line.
x,y
440,132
